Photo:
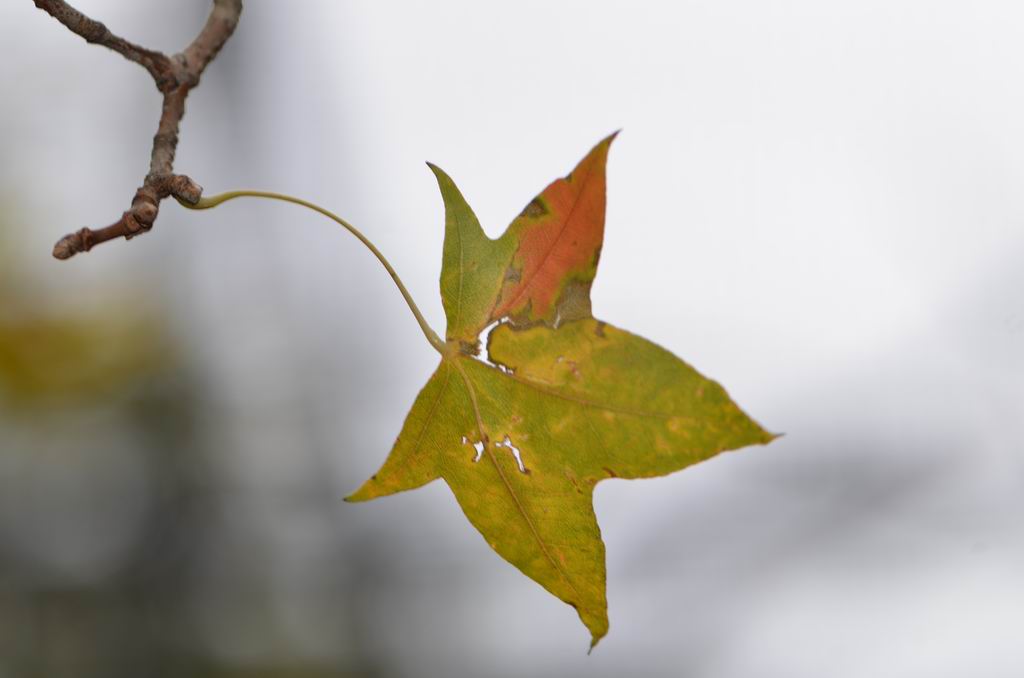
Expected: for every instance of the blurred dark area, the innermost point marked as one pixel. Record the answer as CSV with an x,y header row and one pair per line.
x,y
123,548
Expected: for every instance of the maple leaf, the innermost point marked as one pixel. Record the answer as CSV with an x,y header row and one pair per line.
x,y
560,402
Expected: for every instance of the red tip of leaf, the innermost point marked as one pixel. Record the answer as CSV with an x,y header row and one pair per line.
x,y
560,235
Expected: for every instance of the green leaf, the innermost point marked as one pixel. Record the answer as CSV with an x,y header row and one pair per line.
x,y
472,266
561,401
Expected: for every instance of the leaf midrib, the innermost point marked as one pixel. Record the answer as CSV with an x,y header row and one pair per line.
x,y
485,440
527,285
537,386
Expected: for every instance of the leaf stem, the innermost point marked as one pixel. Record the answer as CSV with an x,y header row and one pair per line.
x,y
214,200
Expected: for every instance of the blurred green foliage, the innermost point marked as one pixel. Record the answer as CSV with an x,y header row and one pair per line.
x,y
72,348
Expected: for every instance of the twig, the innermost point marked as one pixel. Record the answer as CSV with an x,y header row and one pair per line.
x,y
174,76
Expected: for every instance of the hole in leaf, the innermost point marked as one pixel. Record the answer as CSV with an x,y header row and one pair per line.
x,y
481,340
507,443
479,447
484,355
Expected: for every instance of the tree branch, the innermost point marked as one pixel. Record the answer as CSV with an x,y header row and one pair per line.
x,y
175,77
158,65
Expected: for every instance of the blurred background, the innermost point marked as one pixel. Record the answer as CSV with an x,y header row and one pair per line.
x,y
817,204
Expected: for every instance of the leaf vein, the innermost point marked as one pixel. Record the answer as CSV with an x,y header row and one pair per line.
x,y
508,486
579,401
527,284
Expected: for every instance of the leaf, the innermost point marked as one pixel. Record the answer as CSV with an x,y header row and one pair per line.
x,y
560,402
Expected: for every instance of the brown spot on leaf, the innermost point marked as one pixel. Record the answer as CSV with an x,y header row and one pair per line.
x,y
535,209
574,303
469,348
611,473
599,328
